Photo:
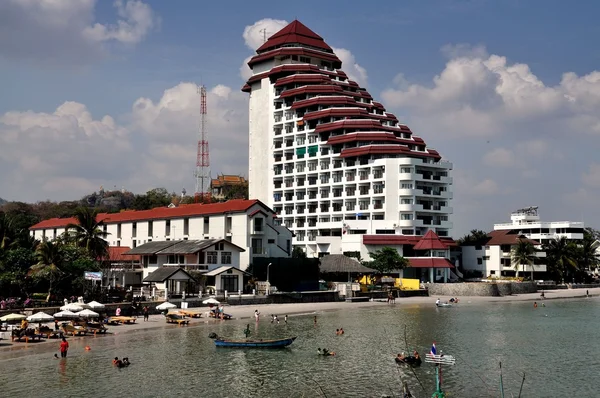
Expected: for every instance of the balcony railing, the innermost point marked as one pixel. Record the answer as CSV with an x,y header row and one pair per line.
x,y
195,267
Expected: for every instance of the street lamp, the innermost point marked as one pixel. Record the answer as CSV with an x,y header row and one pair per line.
x,y
268,283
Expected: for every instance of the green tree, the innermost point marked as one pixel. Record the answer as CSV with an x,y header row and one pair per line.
x,y
476,236
523,253
561,256
49,264
587,254
88,233
387,260
298,252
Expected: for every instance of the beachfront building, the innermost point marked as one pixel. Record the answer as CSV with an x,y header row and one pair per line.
x,y
338,169
122,269
527,222
247,224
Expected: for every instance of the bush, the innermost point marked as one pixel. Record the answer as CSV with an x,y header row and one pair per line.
x,y
39,296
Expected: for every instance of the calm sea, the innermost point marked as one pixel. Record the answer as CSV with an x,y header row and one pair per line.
x,y
556,347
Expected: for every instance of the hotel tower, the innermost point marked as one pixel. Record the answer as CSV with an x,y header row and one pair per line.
x,y
339,170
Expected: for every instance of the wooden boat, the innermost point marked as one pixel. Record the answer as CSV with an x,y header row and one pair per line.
x,y
443,305
409,360
247,343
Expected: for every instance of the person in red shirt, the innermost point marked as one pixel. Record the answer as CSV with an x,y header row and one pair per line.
x,y
64,346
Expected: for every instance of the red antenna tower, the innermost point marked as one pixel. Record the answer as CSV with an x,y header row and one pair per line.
x,y
202,173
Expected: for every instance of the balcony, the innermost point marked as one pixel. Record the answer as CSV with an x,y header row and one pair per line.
x,y
192,267
259,251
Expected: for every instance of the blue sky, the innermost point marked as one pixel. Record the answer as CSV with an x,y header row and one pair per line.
x,y
481,81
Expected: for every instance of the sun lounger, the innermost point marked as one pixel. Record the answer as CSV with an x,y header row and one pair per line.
x,y
73,331
214,314
178,319
190,314
115,320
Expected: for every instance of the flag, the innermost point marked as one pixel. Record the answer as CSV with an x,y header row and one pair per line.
x,y
433,350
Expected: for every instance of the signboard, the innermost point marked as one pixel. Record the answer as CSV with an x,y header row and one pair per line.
x,y
92,276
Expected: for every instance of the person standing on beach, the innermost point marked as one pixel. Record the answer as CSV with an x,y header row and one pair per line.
x,y
285,319
64,347
118,311
256,315
146,313
315,320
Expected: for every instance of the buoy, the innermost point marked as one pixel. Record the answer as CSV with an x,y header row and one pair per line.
x,y
87,348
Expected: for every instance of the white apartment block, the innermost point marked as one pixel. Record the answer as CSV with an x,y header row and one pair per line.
x,y
330,161
527,222
249,224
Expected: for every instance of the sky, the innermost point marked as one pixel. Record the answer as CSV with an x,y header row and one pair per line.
x,y
104,93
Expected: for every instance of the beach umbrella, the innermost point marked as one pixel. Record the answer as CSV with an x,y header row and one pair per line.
x,y
211,301
12,317
73,307
88,314
65,314
95,305
165,306
40,317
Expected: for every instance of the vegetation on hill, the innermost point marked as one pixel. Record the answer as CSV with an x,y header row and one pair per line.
x,y
2,201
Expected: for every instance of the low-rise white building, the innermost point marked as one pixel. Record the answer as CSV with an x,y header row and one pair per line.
x,y
248,224
527,222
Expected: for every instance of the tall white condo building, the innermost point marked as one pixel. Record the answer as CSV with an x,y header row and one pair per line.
x,y
342,173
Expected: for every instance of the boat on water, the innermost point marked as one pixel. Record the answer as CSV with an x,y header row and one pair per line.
x,y
252,343
409,360
443,305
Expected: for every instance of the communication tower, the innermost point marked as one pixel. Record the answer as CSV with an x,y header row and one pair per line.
x,y
202,173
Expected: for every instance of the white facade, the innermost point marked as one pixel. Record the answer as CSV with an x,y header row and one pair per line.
x,y
495,261
330,201
253,229
527,222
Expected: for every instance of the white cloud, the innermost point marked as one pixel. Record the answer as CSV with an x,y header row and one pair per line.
x,y
351,67
245,71
68,153
592,176
137,20
256,34
64,33
479,95
500,157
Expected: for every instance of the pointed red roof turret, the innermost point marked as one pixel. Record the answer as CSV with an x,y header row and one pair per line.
x,y
295,33
430,242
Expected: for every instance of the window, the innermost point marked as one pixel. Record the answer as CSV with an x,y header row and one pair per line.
x,y
406,186
406,201
305,60
211,258
153,259
134,230
408,232
479,261
186,226
118,231
150,229
406,216
405,170
134,243
225,257
486,257
271,241
257,246
258,225
206,225
230,283
220,246
228,224
168,227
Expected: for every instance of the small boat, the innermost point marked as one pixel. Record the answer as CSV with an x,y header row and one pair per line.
x,y
443,305
247,343
409,360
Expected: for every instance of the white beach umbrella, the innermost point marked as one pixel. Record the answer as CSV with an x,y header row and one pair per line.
x,y
73,307
88,314
40,317
165,306
211,301
12,317
95,305
66,314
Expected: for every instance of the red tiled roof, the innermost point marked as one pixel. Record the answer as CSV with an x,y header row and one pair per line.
x,y
430,242
160,213
400,240
390,239
295,32
507,237
328,100
385,150
426,262
291,51
366,136
115,255
336,112
367,124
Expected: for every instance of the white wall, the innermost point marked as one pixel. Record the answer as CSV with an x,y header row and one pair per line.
x,y
260,170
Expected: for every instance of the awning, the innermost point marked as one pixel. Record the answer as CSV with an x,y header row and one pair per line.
x,y
429,262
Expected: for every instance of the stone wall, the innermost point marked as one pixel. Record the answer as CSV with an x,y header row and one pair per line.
x,y
480,289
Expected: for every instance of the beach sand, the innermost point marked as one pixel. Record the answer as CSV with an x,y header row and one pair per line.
x,y
240,312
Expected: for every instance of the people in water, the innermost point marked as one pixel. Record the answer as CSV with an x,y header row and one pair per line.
x,y
285,319
401,357
256,315
438,302
121,363
454,300
325,352
535,304
339,332
64,347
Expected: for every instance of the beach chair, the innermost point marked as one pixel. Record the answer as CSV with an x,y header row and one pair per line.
x,y
73,331
178,319
190,314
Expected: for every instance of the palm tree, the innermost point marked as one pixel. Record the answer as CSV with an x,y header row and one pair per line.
x,y
50,261
88,233
587,253
523,253
562,255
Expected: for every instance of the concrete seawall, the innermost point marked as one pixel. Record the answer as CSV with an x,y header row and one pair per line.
x,y
481,289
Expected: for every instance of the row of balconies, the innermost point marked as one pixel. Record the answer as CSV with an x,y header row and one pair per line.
x,y
421,208
421,177
314,181
324,167
376,207
425,193
289,197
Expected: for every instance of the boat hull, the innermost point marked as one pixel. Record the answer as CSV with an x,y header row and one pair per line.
x,y
281,343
